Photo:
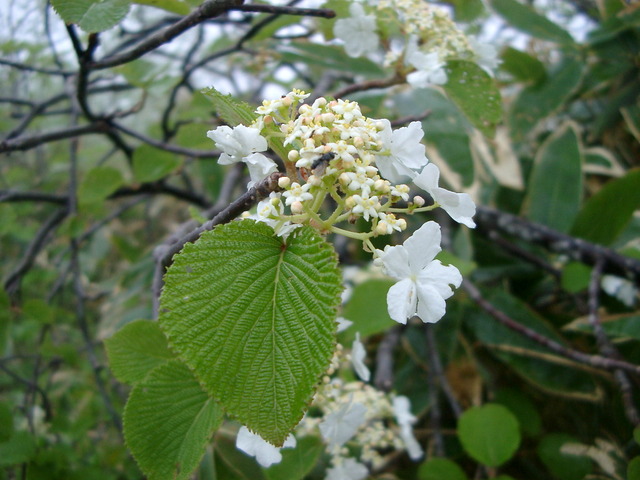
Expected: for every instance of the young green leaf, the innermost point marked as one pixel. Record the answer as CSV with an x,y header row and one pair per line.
x,y
136,349
99,183
232,111
168,420
253,315
92,15
490,434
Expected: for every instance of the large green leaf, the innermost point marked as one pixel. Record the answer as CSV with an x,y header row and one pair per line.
x,y
527,20
555,186
540,100
608,212
168,420
136,350
92,15
254,316
475,93
234,112
489,433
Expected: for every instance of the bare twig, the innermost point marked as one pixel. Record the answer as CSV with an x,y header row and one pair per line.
x,y
589,253
209,9
164,254
595,361
383,379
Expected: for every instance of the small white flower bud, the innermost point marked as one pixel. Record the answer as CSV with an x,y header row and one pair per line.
x,y
287,101
296,207
284,182
350,202
382,228
293,155
418,201
314,180
402,223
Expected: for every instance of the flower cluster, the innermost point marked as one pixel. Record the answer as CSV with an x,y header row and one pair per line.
x,y
365,167
429,39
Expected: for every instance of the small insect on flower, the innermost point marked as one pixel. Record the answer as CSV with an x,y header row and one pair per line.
x,y
320,164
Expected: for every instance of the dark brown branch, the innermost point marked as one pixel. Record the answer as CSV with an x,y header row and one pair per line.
x,y
589,253
12,283
189,152
28,142
31,68
383,379
209,9
164,254
595,361
284,10
15,196
368,85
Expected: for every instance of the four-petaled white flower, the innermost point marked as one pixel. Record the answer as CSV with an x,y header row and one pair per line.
x,y
357,32
254,445
241,144
348,469
358,354
403,152
486,55
341,425
423,283
429,67
459,206
405,419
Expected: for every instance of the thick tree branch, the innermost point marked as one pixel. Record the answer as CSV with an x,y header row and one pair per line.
x,y
589,253
209,9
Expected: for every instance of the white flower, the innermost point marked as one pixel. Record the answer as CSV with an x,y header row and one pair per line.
x,y
459,206
405,419
297,193
341,425
364,205
486,55
357,32
423,283
620,288
428,66
343,324
349,469
240,144
265,453
405,152
358,354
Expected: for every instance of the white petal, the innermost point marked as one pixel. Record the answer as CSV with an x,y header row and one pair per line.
x,y
440,277
394,171
406,146
423,246
413,447
259,167
357,31
401,301
396,261
358,354
250,139
428,178
431,305
341,425
343,324
254,445
402,410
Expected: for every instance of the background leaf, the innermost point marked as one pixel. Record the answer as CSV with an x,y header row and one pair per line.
x,y
99,183
555,189
168,421
489,433
254,317
608,212
151,164
440,469
136,349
